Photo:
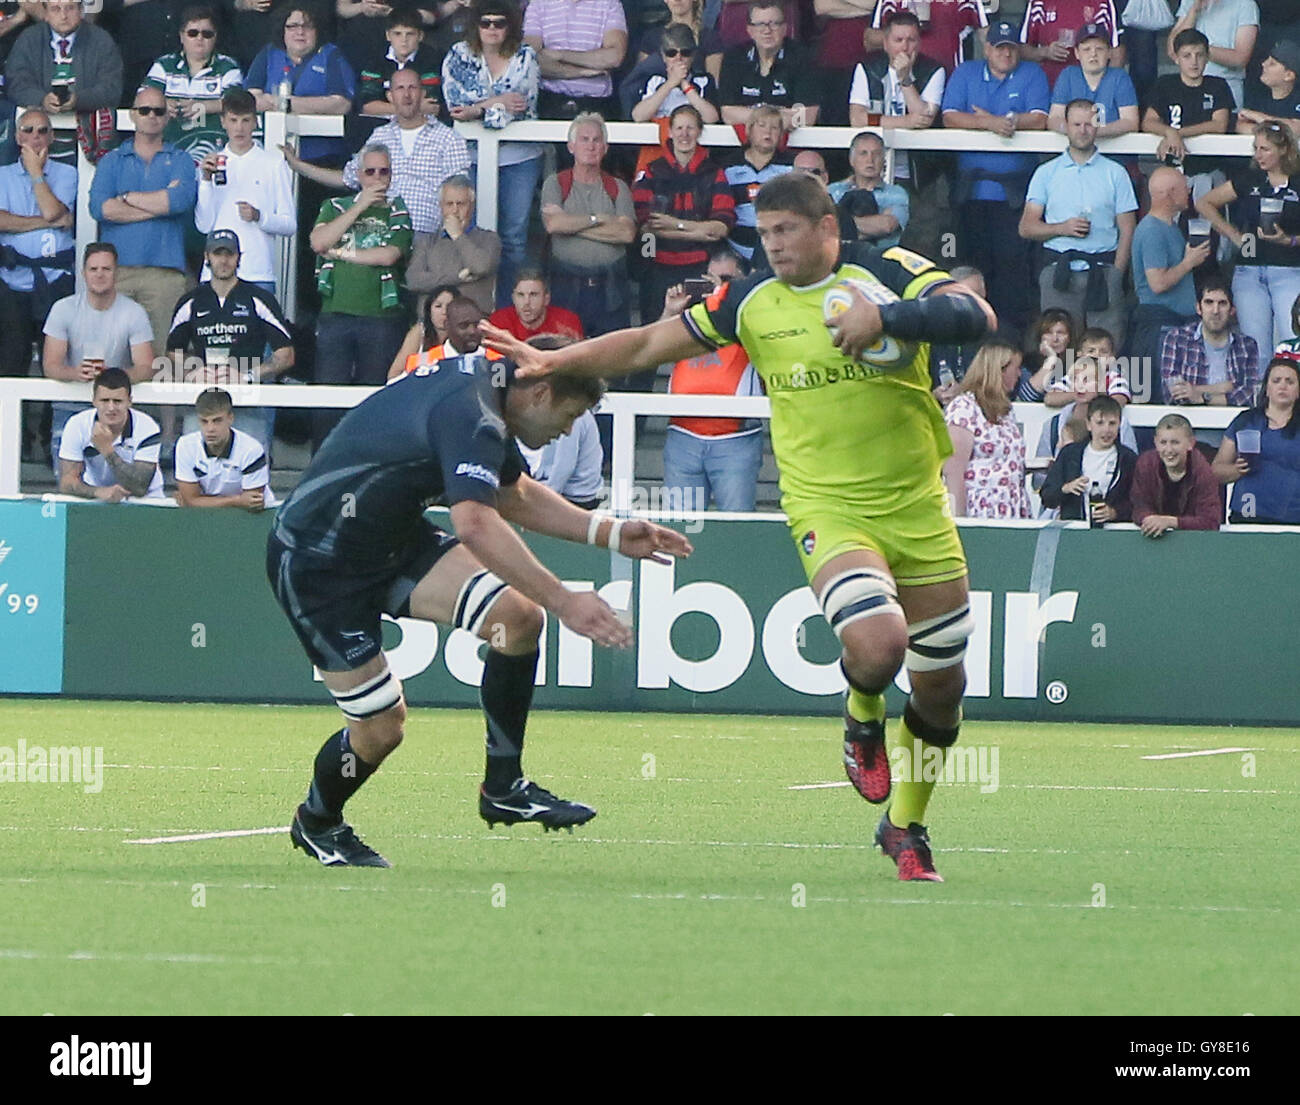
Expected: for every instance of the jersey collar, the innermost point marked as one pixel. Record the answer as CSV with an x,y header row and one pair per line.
x,y
224,455
831,278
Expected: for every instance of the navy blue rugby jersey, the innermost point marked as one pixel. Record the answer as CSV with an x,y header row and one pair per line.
x,y
435,435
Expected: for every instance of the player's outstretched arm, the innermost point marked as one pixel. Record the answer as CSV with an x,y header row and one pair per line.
x,y
496,546
536,507
613,354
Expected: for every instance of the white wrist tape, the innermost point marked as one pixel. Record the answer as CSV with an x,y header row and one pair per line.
x,y
615,529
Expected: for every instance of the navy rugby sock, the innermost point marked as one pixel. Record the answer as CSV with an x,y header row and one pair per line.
x,y
507,695
338,776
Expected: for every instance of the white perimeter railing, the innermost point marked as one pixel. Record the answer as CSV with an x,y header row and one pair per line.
x,y
823,138
625,407
279,127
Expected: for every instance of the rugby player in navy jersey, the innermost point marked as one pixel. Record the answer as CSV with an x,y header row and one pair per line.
x,y
352,543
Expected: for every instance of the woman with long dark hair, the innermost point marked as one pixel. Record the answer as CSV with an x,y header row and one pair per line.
x,y
429,330
1260,453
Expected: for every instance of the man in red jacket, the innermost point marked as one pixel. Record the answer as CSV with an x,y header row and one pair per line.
x,y
1173,484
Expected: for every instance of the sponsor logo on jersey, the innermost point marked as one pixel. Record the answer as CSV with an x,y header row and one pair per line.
x,y
478,472
913,262
809,542
783,334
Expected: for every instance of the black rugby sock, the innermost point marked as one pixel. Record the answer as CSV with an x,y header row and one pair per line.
x,y
338,776
507,695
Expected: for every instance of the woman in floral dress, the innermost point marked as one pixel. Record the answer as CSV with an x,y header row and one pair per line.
x,y
986,473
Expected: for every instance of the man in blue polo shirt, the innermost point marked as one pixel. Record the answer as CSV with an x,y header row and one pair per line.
x,y
143,195
1082,208
1001,95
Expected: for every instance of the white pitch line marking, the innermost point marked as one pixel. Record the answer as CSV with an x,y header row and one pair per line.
x,y
1200,752
142,957
209,836
1070,786
818,786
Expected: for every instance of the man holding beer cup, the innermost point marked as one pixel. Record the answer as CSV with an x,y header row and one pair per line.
x,y
95,329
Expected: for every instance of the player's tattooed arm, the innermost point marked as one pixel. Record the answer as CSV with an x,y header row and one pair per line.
x,y
71,483
134,475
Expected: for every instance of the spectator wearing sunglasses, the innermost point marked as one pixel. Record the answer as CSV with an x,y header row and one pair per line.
x,y
361,243
194,79
493,78
144,30
37,198
424,153
675,75
143,197
686,13
64,64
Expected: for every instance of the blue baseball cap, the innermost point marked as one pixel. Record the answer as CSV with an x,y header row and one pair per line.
x,y
1002,32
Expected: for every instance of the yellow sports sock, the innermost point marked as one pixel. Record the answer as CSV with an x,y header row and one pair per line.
x,y
920,765
866,707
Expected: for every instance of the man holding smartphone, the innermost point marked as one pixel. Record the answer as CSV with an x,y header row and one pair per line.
x,y
64,64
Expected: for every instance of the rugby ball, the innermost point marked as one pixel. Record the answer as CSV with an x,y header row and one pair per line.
x,y
887,353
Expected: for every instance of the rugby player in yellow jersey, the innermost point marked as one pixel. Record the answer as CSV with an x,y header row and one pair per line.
x,y
859,441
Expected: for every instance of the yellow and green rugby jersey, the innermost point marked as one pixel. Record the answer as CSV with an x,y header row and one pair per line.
x,y
868,438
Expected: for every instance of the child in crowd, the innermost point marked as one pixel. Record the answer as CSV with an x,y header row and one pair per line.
x,y
1098,466
1174,486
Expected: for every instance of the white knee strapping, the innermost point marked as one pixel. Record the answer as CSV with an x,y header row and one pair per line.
x,y
939,642
858,593
374,696
476,597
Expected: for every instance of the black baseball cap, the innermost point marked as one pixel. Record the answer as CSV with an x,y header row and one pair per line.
x,y
222,239
1287,54
1093,30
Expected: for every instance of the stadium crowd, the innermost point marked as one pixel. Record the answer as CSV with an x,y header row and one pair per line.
x,y
1117,280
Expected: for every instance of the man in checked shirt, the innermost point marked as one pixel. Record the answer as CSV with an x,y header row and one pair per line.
x,y
424,153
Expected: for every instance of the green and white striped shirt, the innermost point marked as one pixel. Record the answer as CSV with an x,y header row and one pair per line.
x,y
171,74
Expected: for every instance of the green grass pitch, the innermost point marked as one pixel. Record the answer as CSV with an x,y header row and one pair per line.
x,y
1091,881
